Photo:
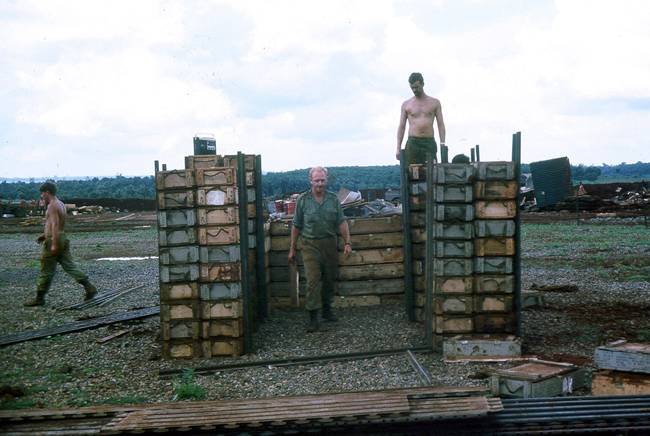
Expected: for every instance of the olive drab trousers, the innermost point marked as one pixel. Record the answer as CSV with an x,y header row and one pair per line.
x,y
49,262
321,260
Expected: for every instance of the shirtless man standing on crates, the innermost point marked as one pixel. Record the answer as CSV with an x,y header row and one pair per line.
x,y
420,111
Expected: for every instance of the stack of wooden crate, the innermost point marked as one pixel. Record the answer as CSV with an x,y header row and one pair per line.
x,y
473,245
495,193
201,256
371,275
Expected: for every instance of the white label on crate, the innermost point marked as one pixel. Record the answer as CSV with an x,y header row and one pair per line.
x,y
215,197
567,385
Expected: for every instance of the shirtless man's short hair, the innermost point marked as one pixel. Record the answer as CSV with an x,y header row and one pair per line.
x,y
420,111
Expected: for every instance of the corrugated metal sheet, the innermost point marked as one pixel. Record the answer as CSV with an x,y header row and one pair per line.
x,y
552,181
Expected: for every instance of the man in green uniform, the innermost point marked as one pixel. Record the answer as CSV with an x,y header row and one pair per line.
x,y
317,220
56,248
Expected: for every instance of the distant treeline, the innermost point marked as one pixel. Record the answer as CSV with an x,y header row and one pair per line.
x,y
274,184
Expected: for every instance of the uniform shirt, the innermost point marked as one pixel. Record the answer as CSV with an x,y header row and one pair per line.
x,y
318,220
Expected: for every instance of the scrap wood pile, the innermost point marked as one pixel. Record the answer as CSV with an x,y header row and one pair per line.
x,y
600,198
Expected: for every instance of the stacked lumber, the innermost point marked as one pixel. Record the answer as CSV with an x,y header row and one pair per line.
x,y
372,274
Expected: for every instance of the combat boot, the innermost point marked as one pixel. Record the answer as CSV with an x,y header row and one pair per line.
x,y
91,290
38,301
313,321
328,315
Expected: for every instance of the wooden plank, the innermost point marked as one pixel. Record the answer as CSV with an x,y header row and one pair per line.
x,y
113,336
372,287
376,256
610,382
371,272
389,224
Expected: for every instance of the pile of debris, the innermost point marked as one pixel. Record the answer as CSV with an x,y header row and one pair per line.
x,y
601,198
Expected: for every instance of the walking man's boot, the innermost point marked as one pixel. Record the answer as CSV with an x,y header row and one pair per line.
x,y
38,301
91,290
313,321
328,315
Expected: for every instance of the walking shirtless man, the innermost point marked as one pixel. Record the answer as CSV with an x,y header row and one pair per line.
x,y
420,111
56,248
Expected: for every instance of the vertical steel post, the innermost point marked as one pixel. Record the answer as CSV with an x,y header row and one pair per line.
x,y
260,249
478,154
516,157
409,295
430,249
242,189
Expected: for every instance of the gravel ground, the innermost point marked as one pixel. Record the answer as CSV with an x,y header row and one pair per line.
x,y
75,370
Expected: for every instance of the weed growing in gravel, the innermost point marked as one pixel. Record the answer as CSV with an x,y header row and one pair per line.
x,y
185,390
643,336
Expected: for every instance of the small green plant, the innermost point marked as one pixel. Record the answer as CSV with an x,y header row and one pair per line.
x,y
643,336
185,390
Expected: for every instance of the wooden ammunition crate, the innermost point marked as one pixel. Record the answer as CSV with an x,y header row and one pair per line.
x,y
356,301
171,292
453,285
220,291
216,176
494,284
496,190
493,265
179,255
175,179
445,324
181,349
177,236
454,173
233,328
452,267
176,218
221,309
454,248
610,382
494,228
223,235
624,356
454,230
175,199
451,212
188,310
496,209
495,170
181,329
494,246
495,323
537,379
371,257
494,345
220,253
179,273
207,216
223,346
493,303
221,272
452,304
216,196
231,161
196,162
454,193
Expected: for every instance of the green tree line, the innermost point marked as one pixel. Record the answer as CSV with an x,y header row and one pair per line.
x,y
354,178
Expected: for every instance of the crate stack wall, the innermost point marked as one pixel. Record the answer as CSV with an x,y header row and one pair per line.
x,y
372,274
495,191
202,307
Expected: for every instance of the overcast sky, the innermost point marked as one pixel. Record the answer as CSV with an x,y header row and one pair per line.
x,y
100,88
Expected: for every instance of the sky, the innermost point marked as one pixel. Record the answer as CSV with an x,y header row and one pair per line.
x,y
105,88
